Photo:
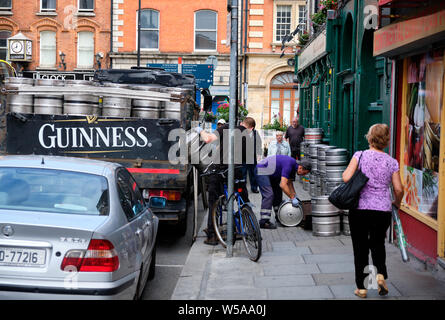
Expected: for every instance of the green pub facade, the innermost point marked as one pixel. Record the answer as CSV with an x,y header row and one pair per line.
x,y
344,88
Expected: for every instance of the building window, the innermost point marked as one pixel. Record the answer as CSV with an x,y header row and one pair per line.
x,y
4,35
48,5
149,29
283,21
85,50
86,5
205,30
302,17
48,49
284,99
5,4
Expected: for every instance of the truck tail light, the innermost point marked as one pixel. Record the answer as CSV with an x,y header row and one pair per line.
x,y
170,195
99,257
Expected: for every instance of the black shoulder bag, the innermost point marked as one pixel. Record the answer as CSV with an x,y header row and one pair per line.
x,y
347,195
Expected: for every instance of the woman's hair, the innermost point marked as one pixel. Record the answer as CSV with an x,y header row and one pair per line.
x,y
378,136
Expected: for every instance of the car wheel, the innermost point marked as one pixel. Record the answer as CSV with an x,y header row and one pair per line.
x,y
152,270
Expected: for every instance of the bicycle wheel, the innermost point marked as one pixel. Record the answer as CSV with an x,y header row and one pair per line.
x,y
251,233
219,218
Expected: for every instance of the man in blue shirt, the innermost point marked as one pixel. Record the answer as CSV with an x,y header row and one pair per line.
x,y
276,175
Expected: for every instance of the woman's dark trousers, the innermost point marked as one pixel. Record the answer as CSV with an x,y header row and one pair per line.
x,y
368,232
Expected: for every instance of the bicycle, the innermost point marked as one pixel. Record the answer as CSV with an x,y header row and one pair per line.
x,y
245,222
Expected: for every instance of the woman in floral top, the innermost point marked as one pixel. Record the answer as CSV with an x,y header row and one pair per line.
x,y
371,219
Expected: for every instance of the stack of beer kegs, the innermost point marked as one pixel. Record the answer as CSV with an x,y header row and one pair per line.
x,y
325,217
313,135
336,163
315,181
321,165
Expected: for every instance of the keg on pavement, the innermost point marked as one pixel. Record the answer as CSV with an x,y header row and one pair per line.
x,y
116,106
325,218
313,135
288,215
345,223
80,104
150,109
48,104
21,103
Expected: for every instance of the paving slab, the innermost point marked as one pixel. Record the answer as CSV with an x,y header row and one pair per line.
x,y
319,243
287,252
291,270
283,281
279,258
336,267
328,258
331,250
235,280
300,293
330,279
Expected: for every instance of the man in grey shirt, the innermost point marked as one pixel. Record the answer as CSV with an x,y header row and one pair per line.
x,y
294,135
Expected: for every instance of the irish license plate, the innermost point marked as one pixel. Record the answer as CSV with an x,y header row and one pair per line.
x,y
22,257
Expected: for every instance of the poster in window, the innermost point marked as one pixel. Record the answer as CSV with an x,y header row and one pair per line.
x,y
422,132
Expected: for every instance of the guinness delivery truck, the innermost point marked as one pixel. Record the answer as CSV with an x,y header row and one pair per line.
x,y
140,118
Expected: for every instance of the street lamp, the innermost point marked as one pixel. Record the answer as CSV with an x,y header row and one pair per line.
x,y
99,56
62,60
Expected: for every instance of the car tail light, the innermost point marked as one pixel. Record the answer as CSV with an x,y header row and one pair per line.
x,y
170,195
99,257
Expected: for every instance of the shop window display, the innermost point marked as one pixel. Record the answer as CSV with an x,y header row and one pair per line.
x,y
423,107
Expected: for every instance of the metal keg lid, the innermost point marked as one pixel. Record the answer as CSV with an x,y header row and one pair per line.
x,y
151,87
290,216
336,152
115,85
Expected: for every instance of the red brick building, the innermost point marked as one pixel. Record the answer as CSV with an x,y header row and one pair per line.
x,y
191,30
79,29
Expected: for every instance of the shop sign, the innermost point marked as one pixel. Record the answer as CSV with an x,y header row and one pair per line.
x,y
314,51
403,33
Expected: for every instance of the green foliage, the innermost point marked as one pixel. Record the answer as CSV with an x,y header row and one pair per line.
x,y
275,125
223,112
210,117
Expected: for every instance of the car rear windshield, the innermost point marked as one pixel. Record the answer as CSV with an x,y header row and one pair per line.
x,y
57,191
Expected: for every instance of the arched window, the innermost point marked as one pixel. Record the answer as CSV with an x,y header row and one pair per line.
x,y
205,30
284,98
149,29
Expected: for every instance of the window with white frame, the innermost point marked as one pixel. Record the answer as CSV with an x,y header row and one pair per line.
x,y
283,22
205,30
302,17
47,5
5,4
85,50
149,29
86,5
48,49
4,35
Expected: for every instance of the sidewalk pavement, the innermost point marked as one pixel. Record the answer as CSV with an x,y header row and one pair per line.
x,y
294,265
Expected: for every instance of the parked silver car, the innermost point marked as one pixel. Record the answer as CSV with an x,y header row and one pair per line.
x,y
73,228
